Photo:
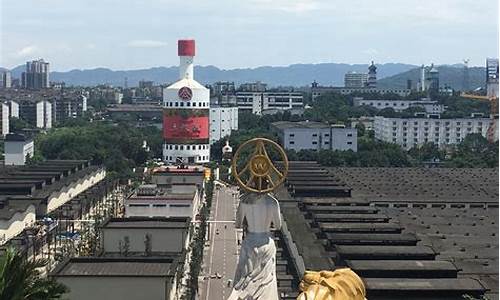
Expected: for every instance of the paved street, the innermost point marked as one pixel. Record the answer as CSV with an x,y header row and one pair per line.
x,y
220,257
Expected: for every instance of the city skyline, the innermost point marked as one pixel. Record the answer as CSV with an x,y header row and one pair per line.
x,y
80,35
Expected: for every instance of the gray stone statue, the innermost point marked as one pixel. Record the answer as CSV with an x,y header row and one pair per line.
x,y
255,277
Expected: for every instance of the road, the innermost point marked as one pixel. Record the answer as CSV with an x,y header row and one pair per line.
x,y
220,256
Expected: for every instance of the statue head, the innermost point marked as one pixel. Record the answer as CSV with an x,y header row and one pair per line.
x,y
341,284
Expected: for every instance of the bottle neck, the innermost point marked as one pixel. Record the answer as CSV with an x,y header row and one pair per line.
x,y
186,68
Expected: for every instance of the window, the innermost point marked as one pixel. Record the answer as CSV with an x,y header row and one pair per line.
x,y
291,142
159,205
349,143
415,123
404,128
176,104
180,205
469,129
394,140
415,140
349,135
426,134
291,135
426,128
138,205
415,134
394,128
314,143
458,123
315,135
404,133
182,104
394,123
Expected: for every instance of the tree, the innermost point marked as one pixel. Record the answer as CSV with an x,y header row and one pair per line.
x,y
361,129
20,279
17,125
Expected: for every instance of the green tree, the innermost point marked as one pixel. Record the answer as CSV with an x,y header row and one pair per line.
x,y
20,279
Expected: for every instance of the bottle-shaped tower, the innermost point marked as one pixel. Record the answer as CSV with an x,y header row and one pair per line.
x,y
186,114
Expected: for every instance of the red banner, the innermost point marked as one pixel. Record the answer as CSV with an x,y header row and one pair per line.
x,y
185,126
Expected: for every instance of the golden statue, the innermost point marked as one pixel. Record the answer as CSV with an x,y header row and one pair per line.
x,y
341,284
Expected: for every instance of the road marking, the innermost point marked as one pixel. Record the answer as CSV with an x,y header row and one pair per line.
x,y
212,245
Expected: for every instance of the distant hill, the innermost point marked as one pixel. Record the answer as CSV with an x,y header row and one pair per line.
x,y
448,75
293,75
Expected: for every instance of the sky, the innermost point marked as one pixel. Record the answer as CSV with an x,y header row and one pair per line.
x,y
135,34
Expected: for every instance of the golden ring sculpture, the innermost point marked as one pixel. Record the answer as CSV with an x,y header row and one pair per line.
x,y
263,175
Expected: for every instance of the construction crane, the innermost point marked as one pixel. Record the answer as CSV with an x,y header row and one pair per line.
x,y
490,135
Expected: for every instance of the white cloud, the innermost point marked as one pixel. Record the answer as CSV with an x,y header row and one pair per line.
x,y
26,51
90,46
293,6
146,44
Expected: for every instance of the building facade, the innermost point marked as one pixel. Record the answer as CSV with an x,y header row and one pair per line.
x,y
38,114
223,120
432,107
309,135
18,149
259,102
412,132
317,90
492,77
186,114
5,80
355,80
36,75
4,119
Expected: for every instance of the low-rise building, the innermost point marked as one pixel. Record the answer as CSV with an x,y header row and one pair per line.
x,y
223,120
280,101
411,132
180,200
38,190
118,278
317,90
309,135
145,236
18,149
431,107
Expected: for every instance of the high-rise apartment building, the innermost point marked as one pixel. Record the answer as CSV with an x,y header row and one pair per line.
x,y
36,75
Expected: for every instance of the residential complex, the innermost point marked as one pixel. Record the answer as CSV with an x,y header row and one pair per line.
x,y
355,80
308,135
431,107
223,120
260,102
411,132
36,75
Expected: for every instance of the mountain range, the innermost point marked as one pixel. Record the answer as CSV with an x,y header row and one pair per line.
x,y
392,75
